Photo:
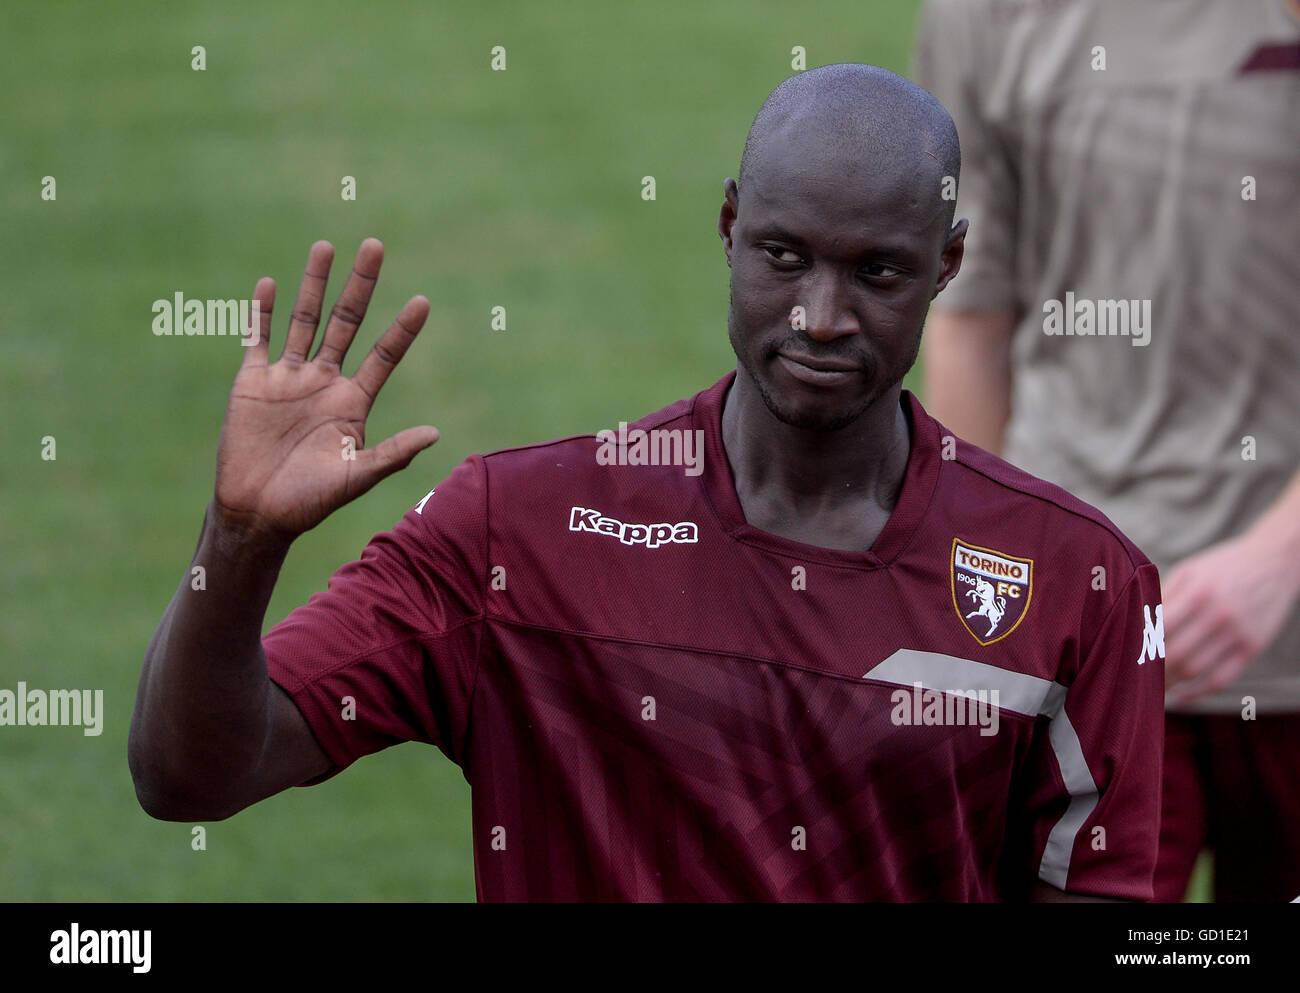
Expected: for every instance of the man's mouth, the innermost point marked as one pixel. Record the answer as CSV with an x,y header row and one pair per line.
x,y
817,372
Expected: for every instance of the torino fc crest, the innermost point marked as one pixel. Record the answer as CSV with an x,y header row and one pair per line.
x,y
990,590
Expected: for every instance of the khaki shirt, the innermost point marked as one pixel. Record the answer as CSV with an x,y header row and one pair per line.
x,y
1131,172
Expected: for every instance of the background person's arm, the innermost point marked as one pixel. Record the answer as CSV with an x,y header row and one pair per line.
x,y
211,733
966,367
966,373
1225,605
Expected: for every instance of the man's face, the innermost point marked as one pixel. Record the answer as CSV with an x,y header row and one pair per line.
x,y
861,251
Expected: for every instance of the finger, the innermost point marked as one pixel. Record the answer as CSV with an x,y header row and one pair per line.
x,y
1227,671
384,355
306,309
1187,624
1191,659
257,345
350,308
1174,587
1186,655
1182,608
393,454
1222,672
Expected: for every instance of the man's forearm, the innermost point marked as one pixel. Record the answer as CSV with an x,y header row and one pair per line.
x,y
1281,521
201,714
964,347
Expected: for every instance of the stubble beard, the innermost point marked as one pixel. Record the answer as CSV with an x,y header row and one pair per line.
x,y
816,420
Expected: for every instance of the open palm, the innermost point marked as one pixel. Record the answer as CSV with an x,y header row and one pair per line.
x,y
292,444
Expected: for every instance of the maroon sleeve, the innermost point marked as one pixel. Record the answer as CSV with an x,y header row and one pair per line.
x,y
1097,811
389,653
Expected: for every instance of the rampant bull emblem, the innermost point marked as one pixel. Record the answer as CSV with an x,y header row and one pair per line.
x,y
997,586
992,607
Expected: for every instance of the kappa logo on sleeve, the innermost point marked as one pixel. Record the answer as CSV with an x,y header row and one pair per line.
x,y
990,590
1153,634
650,535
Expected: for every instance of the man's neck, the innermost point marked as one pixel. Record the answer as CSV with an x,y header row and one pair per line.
x,y
833,489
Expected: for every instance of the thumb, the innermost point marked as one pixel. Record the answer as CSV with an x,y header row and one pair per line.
x,y
394,453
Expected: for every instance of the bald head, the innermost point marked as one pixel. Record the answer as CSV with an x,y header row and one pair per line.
x,y
872,121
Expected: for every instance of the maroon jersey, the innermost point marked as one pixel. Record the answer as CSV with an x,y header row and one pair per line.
x,y
653,700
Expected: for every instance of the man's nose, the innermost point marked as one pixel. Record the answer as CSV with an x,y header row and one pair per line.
x,y
826,314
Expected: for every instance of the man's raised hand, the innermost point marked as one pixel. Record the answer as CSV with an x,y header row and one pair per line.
x,y
292,444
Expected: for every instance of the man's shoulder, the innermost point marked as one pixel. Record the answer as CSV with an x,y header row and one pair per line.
x,y
582,450
983,484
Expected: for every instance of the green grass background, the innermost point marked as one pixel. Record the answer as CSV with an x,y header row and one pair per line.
x,y
518,188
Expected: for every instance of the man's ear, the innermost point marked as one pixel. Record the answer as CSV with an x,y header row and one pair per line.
x,y
727,216
950,261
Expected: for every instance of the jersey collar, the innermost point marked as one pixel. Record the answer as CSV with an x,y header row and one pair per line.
x,y
719,487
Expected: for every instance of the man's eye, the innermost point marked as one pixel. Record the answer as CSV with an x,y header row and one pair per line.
x,y
781,254
879,269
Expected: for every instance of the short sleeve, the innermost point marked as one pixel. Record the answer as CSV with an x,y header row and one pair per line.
x,y
1095,812
946,61
389,653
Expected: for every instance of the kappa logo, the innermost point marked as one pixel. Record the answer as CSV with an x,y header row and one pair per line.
x,y
1153,634
650,535
990,590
